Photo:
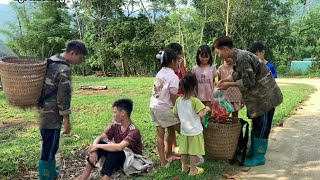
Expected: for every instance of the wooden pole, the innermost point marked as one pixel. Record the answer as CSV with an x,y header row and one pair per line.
x,y
227,20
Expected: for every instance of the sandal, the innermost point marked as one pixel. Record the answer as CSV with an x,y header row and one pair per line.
x,y
199,171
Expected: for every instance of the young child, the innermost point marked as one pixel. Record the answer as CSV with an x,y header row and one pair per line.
x,y
258,49
205,73
189,110
124,134
182,70
180,73
55,105
232,94
165,89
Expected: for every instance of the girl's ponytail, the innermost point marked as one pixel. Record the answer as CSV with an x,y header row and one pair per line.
x,y
159,56
166,57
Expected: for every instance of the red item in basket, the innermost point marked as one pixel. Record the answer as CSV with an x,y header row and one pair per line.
x,y
219,112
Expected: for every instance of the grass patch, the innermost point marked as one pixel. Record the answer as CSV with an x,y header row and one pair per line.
x,y
92,112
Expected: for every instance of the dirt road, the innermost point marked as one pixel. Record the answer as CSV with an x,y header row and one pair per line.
x,y
294,149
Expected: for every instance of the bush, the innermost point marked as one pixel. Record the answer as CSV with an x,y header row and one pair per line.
x,y
283,70
297,72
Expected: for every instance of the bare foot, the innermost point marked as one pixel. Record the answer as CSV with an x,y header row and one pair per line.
x,y
185,169
165,164
173,158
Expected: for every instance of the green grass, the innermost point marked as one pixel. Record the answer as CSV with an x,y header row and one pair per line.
x,y
91,113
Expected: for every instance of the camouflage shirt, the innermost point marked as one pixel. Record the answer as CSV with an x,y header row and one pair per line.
x,y
259,90
56,93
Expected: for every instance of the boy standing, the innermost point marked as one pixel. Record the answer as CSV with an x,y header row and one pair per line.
x,y
123,133
260,92
258,49
54,104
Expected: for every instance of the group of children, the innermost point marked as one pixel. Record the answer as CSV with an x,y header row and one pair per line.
x,y
180,100
181,104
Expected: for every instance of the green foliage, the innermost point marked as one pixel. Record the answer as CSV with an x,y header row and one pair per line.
x,y
283,70
306,36
44,29
184,27
123,36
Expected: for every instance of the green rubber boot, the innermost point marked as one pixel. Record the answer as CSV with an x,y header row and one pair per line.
x,y
54,168
249,153
44,171
48,170
260,147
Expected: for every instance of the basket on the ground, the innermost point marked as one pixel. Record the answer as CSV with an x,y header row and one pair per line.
x,y
221,139
22,79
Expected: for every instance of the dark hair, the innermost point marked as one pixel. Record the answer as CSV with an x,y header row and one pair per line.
x,y
77,46
204,49
256,47
166,57
223,41
188,84
124,104
176,47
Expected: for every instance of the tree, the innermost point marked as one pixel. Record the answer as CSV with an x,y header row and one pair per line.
x,y
307,36
43,29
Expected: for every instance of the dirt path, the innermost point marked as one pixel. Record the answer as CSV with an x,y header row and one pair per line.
x,y
294,149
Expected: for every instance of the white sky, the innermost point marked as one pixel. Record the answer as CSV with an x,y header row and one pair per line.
x,y
5,1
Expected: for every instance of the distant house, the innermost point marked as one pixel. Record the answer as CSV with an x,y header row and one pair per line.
x,y
302,66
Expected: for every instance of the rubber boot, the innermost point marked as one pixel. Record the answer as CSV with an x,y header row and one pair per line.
x,y
55,170
260,147
45,172
249,153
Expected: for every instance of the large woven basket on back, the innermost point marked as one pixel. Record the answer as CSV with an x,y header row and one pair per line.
x,y
221,139
22,79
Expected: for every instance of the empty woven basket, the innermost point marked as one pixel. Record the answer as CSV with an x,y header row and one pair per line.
x,y
221,139
22,79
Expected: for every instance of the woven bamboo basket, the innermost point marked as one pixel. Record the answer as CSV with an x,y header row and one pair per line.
x,y
221,139
22,79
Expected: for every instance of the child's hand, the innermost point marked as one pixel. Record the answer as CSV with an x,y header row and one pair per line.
x,y
93,148
223,85
207,109
219,82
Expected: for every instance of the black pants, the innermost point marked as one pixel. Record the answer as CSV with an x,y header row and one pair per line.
x,y
50,143
261,125
113,160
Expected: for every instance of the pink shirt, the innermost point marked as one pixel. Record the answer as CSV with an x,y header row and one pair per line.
x,y
205,76
165,82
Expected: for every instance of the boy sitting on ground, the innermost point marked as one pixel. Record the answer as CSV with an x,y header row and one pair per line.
x,y
123,133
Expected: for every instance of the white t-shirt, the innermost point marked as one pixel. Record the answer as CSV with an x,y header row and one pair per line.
x,y
165,82
187,110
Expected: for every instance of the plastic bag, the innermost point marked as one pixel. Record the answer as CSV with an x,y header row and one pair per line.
x,y
221,108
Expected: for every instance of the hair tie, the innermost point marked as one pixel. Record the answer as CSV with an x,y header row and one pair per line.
x,y
160,56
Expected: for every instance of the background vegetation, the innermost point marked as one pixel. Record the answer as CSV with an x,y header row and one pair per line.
x,y
123,36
